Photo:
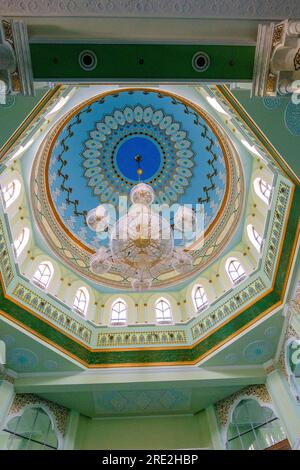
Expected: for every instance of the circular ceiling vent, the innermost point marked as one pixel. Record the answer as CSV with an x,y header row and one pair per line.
x,y
200,62
87,60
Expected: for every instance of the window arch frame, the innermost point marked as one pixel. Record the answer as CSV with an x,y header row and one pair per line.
x,y
203,296
37,281
118,321
263,190
18,244
77,300
52,421
163,319
235,405
255,238
13,195
241,276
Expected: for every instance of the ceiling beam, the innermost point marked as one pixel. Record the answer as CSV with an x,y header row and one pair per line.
x,y
183,377
92,62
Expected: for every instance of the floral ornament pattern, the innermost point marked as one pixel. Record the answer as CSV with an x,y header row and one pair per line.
x,y
258,351
292,118
100,164
291,113
22,360
272,102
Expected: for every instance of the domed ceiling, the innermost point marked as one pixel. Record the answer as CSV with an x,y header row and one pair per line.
x,y
89,159
59,144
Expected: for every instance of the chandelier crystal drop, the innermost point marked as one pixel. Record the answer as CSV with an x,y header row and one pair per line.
x,y
141,243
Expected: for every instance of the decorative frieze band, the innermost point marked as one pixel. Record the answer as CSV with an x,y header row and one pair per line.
x,y
277,226
141,338
230,9
41,305
239,299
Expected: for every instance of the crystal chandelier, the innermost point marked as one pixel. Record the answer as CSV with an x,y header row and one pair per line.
x,y
141,243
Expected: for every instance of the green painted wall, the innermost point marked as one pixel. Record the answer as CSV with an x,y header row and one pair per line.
x,y
272,124
166,432
16,110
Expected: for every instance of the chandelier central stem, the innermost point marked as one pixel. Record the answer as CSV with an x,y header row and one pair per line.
x,y
138,159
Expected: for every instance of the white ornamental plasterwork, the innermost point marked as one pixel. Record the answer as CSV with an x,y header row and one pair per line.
x,y
233,9
297,299
57,413
6,377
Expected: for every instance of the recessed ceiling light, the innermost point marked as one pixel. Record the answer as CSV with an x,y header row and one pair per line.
x,y
59,105
251,148
22,148
216,105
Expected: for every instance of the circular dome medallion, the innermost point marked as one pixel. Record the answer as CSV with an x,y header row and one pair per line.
x,y
89,159
129,148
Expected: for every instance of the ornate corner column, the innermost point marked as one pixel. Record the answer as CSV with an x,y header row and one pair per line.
x,y
277,59
295,318
2,355
15,58
285,406
7,393
71,430
213,426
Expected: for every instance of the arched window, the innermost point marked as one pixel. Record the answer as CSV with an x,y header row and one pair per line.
x,y
254,237
21,241
253,427
293,366
81,300
163,311
118,314
33,430
200,298
235,270
11,192
43,274
263,189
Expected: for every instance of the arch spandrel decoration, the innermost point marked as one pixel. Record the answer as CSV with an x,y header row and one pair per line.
x,y
171,126
58,413
224,408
